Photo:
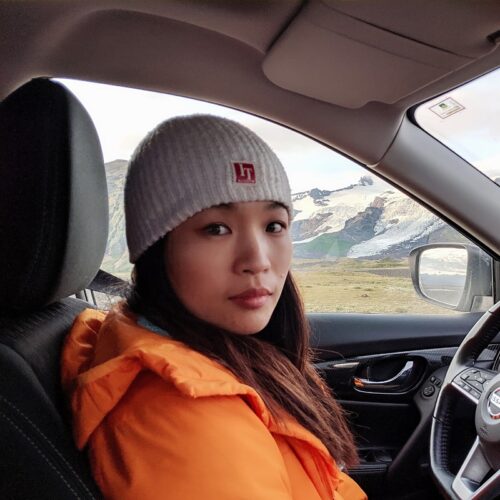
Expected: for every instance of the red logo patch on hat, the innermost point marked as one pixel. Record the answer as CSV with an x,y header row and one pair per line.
x,y
244,172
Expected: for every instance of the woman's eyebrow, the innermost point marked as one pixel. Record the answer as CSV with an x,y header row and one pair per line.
x,y
274,205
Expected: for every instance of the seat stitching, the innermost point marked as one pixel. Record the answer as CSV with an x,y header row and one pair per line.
x,y
59,454
59,473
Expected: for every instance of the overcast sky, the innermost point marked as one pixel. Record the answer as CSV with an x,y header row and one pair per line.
x,y
123,116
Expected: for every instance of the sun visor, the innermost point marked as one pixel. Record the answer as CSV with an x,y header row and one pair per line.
x,y
330,56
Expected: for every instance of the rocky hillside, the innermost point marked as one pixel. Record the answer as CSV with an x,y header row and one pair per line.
x,y
369,219
116,257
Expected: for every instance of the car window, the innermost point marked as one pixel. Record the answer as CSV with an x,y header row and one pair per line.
x,y
467,120
352,231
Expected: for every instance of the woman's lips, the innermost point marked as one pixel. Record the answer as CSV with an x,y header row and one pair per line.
x,y
253,298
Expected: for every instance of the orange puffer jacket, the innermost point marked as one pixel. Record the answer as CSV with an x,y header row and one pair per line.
x,y
162,421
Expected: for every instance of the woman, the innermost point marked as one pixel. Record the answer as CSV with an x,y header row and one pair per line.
x,y
201,385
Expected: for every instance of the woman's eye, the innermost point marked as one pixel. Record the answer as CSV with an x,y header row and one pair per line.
x,y
217,229
275,227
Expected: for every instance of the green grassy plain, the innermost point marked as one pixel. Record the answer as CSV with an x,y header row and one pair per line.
x,y
360,286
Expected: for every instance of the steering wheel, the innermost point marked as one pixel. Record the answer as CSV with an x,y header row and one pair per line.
x,y
479,475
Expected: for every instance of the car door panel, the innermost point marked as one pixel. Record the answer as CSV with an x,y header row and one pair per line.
x,y
386,370
345,335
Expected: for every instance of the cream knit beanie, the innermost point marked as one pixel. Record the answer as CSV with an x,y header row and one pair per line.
x,y
190,163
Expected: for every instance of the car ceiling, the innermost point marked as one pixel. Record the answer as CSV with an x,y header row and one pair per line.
x,y
343,71
357,64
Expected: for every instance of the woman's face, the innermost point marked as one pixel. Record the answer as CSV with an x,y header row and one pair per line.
x,y
228,264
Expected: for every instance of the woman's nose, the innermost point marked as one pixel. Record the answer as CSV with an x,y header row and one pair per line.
x,y
252,255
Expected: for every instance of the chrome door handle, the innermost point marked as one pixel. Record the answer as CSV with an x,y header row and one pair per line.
x,y
398,383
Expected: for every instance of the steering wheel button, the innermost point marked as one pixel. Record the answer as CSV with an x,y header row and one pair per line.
x,y
467,388
475,384
428,391
475,393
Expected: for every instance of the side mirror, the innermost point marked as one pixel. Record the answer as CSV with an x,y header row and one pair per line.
x,y
453,275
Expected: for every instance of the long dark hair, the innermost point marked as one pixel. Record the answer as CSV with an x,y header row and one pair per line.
x,y
276,362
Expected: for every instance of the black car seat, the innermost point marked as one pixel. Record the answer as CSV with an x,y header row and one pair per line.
x,y
53,230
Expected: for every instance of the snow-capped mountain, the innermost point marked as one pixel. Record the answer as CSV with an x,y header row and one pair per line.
x,y
321,211
369,219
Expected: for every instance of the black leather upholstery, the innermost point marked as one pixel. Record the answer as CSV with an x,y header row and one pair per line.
x,y
38,458
53,229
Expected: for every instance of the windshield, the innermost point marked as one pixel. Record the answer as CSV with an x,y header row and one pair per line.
x,y
467,120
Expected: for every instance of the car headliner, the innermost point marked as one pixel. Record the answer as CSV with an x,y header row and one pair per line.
x,y
342,71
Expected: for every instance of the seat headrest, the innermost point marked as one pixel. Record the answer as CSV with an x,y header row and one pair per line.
x,y
53,197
